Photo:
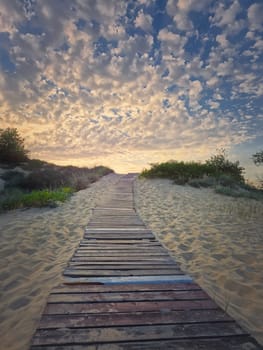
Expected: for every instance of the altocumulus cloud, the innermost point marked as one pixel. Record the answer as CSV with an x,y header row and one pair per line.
x,y
126,83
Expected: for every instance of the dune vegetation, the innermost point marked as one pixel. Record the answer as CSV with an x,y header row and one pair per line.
x,y
26,182
218,172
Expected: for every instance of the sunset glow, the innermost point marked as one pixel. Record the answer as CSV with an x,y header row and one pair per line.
x,y
128,83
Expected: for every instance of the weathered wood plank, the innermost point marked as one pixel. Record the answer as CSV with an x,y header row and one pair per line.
x,y
127,243
129,279
158,332
132,318
85,272
120,265
100,288
116,219
128,296
80,308
117,236
112,249
116,258
132,229
112,224
138,254
241,342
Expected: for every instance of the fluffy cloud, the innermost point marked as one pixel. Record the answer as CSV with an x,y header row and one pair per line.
x,y
102,81
143,21
255,15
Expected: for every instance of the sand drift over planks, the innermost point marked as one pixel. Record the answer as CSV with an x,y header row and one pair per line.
x,y
218,240
35,246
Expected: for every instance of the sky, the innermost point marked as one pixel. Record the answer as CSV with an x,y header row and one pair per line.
x,y
129,83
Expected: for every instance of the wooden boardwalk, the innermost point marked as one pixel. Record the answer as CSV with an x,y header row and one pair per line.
x,y
122,290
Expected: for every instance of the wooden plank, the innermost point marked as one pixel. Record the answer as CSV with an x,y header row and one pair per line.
x,y
103,207
241,342
122,273
116,218
120,254
120,242
92,288
125,249
128,296
132,229
119,231
117,236
121,265
116,259
97,212
130,279
132,318
113,224
158,332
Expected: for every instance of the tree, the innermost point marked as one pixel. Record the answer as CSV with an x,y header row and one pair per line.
x,y
12,148
258,158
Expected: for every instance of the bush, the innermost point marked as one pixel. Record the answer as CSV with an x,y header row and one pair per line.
x,y
180,172
42,179
12,148
45,198
206,181
239,192
34,164
219,165
13,178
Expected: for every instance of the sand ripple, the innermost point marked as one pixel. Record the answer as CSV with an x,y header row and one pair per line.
x,y
35,246
216,239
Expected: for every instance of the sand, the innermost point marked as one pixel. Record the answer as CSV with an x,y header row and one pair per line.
x,y
218,240
35,246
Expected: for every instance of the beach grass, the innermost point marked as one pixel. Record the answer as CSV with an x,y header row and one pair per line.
x,y
15,198
36,183
224,176
240,192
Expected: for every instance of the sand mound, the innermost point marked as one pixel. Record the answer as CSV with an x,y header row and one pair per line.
x,y
35,246
216,239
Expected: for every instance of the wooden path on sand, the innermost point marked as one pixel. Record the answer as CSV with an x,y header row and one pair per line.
x,y
122,290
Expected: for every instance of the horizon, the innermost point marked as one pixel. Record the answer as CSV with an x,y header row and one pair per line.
x,y
129,83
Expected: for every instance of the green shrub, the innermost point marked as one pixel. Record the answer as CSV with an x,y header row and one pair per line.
x,y
239,192
206,181
226,180
33,164
42,179
13,178
219,165
180,172
52,177
17,199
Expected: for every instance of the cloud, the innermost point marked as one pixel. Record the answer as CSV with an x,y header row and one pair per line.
x,y
143,21
226,16
96,81
179,10
255,15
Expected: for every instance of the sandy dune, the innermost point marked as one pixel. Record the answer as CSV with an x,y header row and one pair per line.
x,y
216,239
35,246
